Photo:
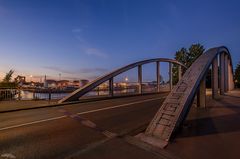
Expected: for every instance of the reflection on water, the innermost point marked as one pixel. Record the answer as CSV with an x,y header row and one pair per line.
x,y
28,95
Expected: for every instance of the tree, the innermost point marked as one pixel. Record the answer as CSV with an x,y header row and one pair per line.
x,y
186,57
6,82
8,77
237,75
194,52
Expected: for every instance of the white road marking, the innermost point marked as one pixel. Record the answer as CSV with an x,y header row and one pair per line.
x,y
8,155
31,123
80,113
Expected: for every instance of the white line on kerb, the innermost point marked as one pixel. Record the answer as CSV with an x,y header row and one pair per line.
x,y
80,113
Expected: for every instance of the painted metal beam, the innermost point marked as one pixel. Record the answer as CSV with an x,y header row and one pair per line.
x,y
170,76
201,96
74,96
140,79
176,106
158,75
222,74
111,87
214,77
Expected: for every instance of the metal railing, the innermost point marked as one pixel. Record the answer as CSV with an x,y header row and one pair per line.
x,y
9,94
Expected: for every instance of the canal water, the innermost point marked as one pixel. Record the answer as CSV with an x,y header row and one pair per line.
x,y
27,95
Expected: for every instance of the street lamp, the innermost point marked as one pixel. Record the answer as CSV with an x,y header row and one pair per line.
x,y
126,80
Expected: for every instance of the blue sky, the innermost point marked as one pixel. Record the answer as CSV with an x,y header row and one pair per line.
x,y
86,38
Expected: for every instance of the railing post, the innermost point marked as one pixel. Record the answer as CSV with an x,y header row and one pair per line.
x,y
201,95
226,87
111,87
222,71
170,75
140,79
158,75
179,72
214,79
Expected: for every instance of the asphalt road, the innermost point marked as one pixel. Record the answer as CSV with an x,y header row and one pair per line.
x,y
59,132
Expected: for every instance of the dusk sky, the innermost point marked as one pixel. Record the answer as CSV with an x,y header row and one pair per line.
x,y
86,38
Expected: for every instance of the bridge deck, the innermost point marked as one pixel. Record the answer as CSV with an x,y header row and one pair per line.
x,y
211,133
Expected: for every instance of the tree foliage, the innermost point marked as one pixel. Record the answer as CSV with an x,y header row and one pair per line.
x,y
8,77
187,57
237,76
6,82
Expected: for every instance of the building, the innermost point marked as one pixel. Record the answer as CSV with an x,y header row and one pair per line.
x,y
83,82
20,80
50,83
62,83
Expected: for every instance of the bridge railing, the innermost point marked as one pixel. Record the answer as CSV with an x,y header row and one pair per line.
x,y
75,96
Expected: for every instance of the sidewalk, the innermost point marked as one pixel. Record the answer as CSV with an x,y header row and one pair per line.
x,y
213,132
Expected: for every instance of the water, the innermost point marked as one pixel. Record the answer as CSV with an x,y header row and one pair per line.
x,y
28,95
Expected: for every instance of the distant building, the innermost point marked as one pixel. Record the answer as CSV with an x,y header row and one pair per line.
x,y
83,82
76,83
50,83
45,82
20,80
62,83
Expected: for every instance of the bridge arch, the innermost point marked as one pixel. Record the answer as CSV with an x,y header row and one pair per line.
x,y
109,77
177,104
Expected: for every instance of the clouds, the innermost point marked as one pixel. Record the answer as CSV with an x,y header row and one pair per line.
x,y
76,30
76,71
85,46
95,52
58,69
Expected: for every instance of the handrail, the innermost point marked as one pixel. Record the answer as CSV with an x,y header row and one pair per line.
x,y
177,104
74,96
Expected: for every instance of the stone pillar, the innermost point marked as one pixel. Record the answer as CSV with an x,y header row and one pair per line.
x,y
201,96
158,75
140,79
170,76
111,88
179,72
215,78
222,71
226,80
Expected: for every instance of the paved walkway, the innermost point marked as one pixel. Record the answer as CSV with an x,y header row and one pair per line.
x,y
213,132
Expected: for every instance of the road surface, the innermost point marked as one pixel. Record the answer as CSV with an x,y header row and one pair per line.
x,y
59,132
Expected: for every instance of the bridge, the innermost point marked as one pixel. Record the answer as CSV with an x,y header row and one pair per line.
x,y
154,125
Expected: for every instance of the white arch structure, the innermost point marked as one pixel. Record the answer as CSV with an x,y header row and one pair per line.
x,y
177,104
75,96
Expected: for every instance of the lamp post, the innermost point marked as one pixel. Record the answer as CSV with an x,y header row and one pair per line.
x,y
31,78
126,80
